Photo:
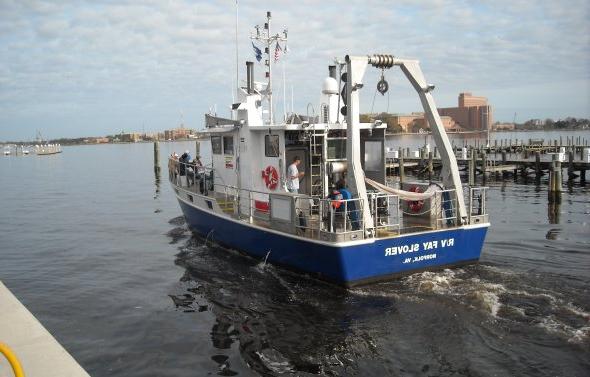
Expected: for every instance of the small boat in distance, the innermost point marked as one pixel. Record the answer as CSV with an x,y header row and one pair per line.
x,y
7,151
345,224
43,148
47,149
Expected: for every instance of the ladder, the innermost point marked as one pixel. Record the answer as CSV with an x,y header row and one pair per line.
x,y
316,175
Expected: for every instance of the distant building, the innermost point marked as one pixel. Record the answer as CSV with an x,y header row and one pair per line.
x,y
473,113
130,137
413,122
178,133
503,126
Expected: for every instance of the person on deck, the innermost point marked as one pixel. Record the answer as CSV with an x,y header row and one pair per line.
x,y
293,175
341,200
184,169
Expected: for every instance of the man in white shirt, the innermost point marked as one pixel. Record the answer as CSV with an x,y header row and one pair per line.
x,y
293,176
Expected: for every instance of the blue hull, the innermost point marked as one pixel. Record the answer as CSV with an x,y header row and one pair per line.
x,y
348,264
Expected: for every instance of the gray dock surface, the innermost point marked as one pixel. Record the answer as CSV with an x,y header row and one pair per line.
x,y
37,350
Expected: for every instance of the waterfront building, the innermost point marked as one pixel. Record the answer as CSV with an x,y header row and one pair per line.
x,y
132,137
503,126
473,113
415,121
178,133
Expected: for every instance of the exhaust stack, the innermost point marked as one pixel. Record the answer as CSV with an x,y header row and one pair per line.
x,y
250,77
332,70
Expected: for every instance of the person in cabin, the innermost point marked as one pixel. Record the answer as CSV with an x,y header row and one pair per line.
x,y
293,175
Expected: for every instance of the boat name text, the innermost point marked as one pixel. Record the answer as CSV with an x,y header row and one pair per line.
x,y
421,246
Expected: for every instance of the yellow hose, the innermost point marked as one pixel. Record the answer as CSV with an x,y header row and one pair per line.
x,y
11,357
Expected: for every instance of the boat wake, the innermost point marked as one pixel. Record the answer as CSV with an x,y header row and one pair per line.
x,y
502,294
288,324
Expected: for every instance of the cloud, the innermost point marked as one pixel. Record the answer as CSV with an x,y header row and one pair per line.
x,y
121,64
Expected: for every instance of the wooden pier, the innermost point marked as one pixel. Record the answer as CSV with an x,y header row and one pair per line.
x,y
506,159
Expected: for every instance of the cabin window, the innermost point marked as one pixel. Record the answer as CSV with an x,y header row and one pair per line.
x,y
337,148
271,145
373,156
228,145
216,144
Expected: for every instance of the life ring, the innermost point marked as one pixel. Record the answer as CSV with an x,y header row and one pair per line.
x,y
415,205
271,177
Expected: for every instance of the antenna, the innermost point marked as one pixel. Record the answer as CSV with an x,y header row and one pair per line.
x,y
237,57
268,39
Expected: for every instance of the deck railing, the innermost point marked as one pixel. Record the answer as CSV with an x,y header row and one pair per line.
x,y
477,210
312,216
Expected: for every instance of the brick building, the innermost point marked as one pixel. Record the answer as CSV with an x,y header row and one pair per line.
x,y
414,121
473,113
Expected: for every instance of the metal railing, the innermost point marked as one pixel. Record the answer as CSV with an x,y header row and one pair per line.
x,y
313,216
190,176
476,205
444,205
386,211
341,216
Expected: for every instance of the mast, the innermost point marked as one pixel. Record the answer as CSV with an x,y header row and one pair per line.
x,y
237,87
268,39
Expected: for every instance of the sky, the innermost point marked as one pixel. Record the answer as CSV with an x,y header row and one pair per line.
x,y
74,68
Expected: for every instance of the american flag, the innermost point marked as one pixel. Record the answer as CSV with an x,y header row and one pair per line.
x,y
278,51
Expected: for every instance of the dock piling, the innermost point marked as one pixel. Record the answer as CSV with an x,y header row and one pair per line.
x,y
402,173
472,169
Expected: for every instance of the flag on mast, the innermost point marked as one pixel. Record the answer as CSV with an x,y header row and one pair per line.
x,y
278,51
257,52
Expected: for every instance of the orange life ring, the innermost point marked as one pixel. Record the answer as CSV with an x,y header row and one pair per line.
x,y
415,205
271,177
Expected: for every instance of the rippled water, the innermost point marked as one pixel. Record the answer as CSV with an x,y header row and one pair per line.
x,y
97,250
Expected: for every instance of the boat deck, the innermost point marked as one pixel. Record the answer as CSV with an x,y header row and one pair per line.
x,y
394,222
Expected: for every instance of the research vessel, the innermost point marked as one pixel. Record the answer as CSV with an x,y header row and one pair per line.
x,y
380,231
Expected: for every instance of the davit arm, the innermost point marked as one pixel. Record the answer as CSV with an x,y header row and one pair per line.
x,y
356,66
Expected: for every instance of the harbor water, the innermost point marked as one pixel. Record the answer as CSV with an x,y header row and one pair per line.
x,y
93,243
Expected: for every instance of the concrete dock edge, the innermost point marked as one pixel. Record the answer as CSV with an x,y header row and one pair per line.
x,y
36,349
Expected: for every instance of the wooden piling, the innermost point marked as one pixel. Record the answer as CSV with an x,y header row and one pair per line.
x,y
555,182
483,166
156,157
570,166
472,168
538,171
197,148
402,173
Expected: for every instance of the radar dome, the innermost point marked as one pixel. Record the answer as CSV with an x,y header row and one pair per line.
x,y
330,86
